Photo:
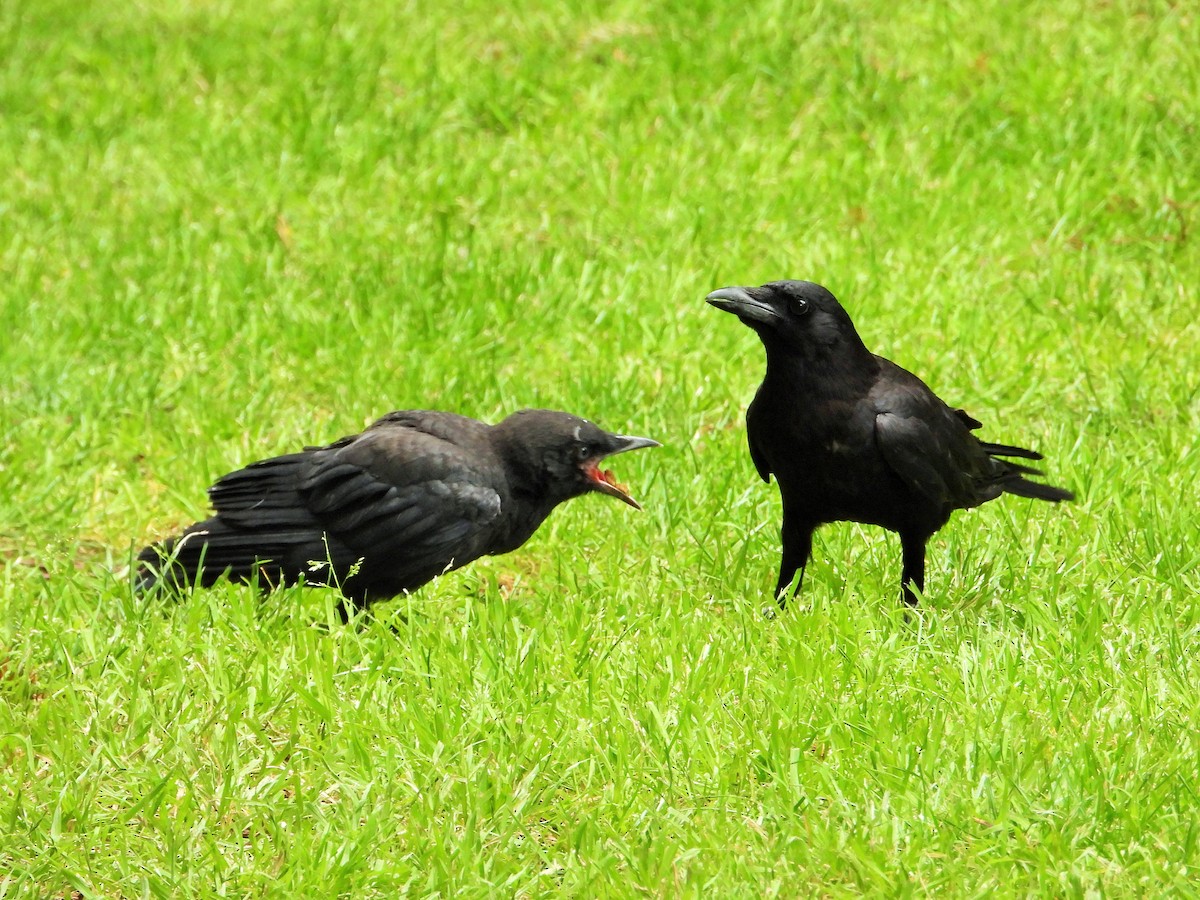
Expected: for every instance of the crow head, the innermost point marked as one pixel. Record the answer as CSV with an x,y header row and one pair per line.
x,y
559,455
796,316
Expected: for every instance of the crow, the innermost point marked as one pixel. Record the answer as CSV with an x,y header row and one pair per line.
x,y
380,513
851,436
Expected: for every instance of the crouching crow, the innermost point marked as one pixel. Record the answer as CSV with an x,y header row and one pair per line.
x,y
379,513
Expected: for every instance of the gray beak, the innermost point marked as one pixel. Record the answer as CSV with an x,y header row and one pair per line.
x,y
625,442
743,304
603,480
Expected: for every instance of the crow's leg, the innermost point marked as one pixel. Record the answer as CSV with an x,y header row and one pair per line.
x,y
354,600
912,545
797,548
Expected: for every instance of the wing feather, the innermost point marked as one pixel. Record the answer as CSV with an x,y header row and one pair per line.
x,y
913,451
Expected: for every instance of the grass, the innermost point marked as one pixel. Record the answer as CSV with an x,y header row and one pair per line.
x,y
229,229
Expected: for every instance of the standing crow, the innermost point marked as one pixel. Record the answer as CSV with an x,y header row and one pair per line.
x,y
851,436
383,512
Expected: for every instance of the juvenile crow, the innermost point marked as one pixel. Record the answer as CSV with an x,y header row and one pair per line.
x,y
851,436
383,512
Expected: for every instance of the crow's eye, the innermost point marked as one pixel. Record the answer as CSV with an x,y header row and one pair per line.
x,y
798,306
582,452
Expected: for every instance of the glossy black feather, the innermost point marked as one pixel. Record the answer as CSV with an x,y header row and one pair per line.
x,y
851,436
379,513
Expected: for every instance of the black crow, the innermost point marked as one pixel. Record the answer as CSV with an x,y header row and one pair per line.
x,y
851,436
416,494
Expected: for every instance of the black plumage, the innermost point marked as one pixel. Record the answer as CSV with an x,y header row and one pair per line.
x,y
376,514
851,436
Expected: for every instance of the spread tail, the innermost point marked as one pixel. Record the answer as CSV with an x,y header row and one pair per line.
x,y
1014,483
208,550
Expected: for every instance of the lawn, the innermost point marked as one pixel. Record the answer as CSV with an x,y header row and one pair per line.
x,y
229,229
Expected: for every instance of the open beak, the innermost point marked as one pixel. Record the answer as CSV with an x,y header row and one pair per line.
x,y
743,304
603,480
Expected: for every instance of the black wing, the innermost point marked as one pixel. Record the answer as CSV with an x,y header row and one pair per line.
x,y
404,503
929,445
759,459
404,496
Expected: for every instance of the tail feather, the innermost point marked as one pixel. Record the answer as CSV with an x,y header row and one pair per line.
x,y
1018,468
1024,488
1009,450
210,549
1011,480
262,528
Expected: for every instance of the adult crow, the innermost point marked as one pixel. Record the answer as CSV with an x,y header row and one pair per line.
x,y
379,513
851,436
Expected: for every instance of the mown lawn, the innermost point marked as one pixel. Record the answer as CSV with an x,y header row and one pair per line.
x,y
228,229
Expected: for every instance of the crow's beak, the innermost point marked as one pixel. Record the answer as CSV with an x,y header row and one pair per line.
x,y
603,480
625,442
743,304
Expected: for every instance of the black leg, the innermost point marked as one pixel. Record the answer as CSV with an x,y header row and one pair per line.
x,y
797,548
913,574
353,601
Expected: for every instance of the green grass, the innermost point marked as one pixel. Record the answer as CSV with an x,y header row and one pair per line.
x,y
228,229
